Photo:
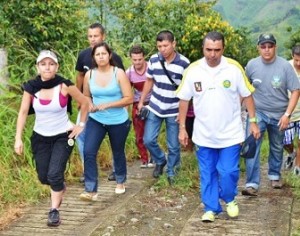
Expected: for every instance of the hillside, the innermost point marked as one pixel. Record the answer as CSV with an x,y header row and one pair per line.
x,y
275,16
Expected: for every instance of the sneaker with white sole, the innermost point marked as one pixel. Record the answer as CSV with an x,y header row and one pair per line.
x,y
232,209
208,216
147,165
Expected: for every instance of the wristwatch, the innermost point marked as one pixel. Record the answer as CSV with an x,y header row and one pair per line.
x,y
81,124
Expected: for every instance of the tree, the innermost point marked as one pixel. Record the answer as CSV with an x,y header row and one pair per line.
x,y
294,40
190,20
30,26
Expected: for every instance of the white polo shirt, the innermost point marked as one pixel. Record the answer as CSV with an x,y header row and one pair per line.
x,y
216,97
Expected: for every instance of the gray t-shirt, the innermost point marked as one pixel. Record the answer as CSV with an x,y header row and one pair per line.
x,y
272,81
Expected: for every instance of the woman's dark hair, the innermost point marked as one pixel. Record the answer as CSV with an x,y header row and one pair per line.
x,y
107,48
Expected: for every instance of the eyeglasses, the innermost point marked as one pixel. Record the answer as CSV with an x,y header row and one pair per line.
x,y
267,46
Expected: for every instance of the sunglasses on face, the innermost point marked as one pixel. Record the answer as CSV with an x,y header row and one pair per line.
x,y
266,46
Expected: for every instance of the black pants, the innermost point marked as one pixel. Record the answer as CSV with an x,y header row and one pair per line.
x,y
51,155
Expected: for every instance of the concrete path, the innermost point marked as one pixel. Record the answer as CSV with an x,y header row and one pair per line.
x,y
274,212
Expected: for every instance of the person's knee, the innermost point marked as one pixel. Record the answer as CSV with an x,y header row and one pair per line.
x,y
56,183
148,141
43,179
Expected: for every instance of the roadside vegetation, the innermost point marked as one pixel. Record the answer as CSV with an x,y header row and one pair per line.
x,y
26,28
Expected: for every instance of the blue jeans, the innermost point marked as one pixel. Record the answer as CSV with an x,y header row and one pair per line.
x,y
152,129
275,151
219,175
95,133
80,142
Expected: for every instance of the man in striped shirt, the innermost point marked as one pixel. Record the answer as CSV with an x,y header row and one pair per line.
x,y
164,74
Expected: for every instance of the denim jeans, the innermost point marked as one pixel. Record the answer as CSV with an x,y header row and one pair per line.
x,y
51,155
152,129
80,139
275,151
95,133
219,175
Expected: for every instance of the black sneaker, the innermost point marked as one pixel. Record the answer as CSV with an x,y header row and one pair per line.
x,y
112,176
53,218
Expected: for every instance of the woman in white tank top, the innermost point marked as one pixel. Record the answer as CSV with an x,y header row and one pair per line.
x,y
49,96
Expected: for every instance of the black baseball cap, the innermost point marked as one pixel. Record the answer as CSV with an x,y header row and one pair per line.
x,y
248,147
266,38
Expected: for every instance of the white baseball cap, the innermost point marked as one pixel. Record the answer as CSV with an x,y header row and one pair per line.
x,y
46,54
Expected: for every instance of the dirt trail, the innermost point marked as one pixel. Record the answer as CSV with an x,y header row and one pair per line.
x,y
142,211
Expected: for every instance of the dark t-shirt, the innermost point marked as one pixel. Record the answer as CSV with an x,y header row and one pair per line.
x,y
84,60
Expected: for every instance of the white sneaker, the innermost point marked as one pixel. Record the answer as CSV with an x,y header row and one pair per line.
x,y
144,165
147,165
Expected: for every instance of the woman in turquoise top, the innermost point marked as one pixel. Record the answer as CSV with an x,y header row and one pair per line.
x,y
109,92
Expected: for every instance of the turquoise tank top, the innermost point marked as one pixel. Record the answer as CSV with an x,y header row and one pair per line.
x,y
110,93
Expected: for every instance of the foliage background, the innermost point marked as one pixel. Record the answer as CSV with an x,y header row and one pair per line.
x,y
260,16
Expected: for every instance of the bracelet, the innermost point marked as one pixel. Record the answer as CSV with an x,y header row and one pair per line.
x,y
253,120
182,126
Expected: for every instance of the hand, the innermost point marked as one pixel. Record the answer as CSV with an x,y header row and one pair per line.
x,y
254,130
93,108
102,107
76,131
18,147
139,107
183,137
283,122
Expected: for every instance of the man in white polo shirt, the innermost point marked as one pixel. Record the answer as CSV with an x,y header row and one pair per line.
x,y
216,84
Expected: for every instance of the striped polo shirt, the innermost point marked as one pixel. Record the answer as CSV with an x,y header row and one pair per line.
x,y
163,101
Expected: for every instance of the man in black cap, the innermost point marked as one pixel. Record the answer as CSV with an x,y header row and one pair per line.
x,y
273,78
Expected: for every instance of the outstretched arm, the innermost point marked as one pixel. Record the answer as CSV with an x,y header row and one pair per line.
x,y
21,121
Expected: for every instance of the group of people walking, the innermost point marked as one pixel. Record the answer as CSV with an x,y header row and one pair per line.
x,y
167,89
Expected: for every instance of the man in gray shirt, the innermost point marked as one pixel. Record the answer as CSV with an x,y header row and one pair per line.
x,y
272,76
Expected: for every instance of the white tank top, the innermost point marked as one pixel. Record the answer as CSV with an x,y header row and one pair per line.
x,y
51,119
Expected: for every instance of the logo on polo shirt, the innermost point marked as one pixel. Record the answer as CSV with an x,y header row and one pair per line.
x,y
198,86
226,83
